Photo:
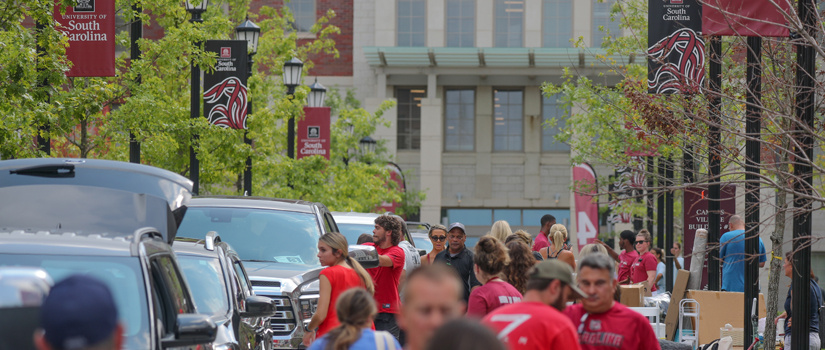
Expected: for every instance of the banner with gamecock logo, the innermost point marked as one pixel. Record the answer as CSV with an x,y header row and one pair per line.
x,y
225,97
676,56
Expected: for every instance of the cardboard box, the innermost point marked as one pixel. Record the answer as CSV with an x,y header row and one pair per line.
x,y
632,295
672,318
718,308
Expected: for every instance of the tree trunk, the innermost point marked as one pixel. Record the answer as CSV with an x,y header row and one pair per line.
x,y
775,273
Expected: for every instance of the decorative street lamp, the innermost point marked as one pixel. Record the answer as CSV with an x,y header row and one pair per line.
x,y
317,95
292,77
195,8
367,146
250,32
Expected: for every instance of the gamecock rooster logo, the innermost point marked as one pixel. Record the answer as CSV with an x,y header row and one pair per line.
x,y
682,63
232,113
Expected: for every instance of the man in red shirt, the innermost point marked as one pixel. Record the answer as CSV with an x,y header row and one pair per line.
x,y
386,235
644,267
536,323
601,322
541,240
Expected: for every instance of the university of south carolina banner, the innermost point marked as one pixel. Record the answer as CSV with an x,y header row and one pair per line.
x,y
225,96
313,133
587,211
90,26
746,17
676,56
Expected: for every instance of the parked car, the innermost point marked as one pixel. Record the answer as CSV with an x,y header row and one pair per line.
x,y
112,220
22,291
277,240
221,289
422,241
151,294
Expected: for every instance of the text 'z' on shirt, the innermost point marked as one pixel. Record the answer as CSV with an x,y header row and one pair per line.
x,y
463,264
732,252
491,296
532,326
618,328
638,271
540,242
386,279
626,260
340,279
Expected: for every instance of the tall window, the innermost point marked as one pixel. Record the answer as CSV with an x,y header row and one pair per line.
x,y
412,22
461,23
509,26
459,133
507,120
303,12
552,108
557,23
409,117
602,24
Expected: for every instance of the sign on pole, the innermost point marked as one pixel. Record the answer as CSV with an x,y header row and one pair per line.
x,y
225,95
587,210
746,17
90,26
676,56
313,133
696,217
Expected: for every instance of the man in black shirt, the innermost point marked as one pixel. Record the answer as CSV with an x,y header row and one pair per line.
x,y
460,258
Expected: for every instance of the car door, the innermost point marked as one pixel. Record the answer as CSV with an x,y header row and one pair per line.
x,y
170,295
254,330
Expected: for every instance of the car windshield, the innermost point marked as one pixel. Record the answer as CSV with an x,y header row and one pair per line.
x,y
353,231
122,275
280,236
423,242
206,282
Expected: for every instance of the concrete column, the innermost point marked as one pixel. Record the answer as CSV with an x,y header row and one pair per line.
x,y
484,23
435,23
532,142
484,142
388,133
582,20
385,22
432,145
532,23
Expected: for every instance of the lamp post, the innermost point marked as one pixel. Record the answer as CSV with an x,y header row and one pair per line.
x,y
367,145
136,33
250,32
292,77
317,95
195,9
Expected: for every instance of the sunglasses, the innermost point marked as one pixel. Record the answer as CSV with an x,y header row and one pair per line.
x,y
640,242
438,238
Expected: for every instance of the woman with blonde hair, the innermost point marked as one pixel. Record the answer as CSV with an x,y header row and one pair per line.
x,y
342,273
521,261
558,232
438,236
490,259
356,311
500,230
592,248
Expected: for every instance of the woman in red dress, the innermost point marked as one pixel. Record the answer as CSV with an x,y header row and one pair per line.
x,y
341,274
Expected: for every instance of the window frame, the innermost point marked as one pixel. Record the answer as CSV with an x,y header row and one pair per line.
x,y
398,23
594,30
544,138
460,33
508,89
398,121
495,27
295,21
544,22
475,99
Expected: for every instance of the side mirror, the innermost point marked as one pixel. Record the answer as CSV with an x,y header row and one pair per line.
x,y
365,255
422,252
192,329
259,306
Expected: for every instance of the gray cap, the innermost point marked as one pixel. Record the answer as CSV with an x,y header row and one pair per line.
x,y
459,225
556,270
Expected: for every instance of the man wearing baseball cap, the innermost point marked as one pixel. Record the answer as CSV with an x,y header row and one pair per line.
x,y
601,322
537,322
459,257
79,314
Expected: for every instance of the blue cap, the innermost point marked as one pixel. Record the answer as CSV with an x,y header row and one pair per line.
x,y
79,312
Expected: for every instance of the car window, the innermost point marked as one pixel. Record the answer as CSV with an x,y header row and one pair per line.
x,y
242,277
328,223
352,231
423,243
206,282
173,281
122,274
258,234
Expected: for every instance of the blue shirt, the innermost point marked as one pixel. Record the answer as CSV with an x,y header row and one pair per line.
x,y
732,252
366,342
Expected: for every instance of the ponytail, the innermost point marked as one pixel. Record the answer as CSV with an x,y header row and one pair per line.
x,y
362,273
355,309
557,234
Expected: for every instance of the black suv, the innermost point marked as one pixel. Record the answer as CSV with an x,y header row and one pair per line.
x,y
277,240
141,270
221,288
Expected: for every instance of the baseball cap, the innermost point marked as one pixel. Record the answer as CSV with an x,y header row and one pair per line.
x,y
459,225
79,312
556,270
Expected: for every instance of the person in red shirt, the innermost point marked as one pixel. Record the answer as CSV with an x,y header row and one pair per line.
x,y
536,323
644,267
385,236
601,322
342,273
490,258
541,240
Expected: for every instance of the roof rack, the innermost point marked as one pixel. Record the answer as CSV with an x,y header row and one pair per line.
x,y
212,238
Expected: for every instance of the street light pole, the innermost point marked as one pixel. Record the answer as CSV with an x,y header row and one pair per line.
x,y
292,77
195,83
250,32
136,32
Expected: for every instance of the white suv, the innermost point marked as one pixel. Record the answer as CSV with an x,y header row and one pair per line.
x,y
352,225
